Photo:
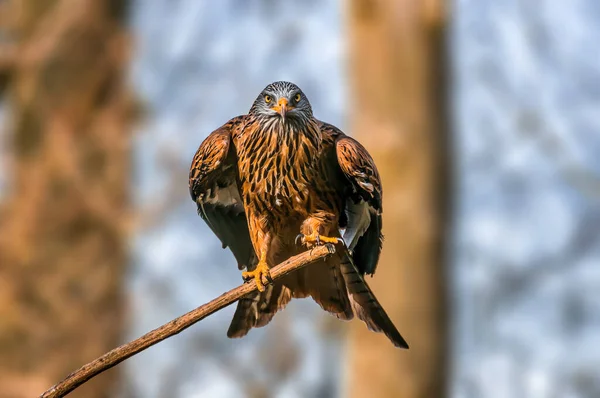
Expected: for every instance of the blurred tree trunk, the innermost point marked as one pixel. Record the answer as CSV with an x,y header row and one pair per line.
x,y
62,236
397,66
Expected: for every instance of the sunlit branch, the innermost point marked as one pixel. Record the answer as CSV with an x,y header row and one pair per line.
x,y
119,354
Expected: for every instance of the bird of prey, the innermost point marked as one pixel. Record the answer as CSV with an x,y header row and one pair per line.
x,y
275,181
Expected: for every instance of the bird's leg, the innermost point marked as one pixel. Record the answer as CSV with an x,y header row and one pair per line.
x,y
260,274
314,228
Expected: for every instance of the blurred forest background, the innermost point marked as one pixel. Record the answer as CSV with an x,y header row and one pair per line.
x,y
482,115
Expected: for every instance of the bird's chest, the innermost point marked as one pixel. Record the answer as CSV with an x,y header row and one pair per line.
x,y
277,174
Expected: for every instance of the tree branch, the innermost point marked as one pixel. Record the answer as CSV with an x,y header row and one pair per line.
x,y
177,325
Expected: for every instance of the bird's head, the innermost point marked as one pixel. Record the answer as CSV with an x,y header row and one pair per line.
x,y
282,100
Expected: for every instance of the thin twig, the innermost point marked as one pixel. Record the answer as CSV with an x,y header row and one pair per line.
x,y
167,330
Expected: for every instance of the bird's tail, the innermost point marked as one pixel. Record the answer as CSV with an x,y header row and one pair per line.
x,y
258,308
365,304
335,284
323,281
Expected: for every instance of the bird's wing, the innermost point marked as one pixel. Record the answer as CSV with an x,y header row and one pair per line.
x,y
361,188
213,186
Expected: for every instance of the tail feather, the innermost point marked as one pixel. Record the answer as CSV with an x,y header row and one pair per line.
x,y
335,284
323,281
245,316
327,287
258,308
365,304
280,297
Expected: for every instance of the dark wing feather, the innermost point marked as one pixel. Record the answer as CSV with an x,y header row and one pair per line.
x,y
360,186
213,186
363,203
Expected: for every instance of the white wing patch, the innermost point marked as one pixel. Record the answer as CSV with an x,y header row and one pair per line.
x,y
367,186
359,219
225,196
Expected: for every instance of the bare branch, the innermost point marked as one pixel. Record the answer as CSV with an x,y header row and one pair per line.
x,y
119,354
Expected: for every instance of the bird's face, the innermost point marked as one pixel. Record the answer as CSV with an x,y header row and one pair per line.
x,y
282,100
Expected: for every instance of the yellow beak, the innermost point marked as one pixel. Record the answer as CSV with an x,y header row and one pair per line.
x,y
281,107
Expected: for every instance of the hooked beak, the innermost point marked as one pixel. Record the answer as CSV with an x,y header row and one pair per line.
x,y
281,107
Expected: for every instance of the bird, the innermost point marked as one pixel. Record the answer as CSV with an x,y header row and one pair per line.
x,y
275,182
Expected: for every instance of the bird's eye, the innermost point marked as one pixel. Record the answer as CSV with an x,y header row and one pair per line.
x,y
268,99
297,97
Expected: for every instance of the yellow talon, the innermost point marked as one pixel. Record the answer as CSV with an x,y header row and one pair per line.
x,y
316,239
261,275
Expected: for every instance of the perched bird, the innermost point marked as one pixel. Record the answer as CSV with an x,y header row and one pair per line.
x,y
264,179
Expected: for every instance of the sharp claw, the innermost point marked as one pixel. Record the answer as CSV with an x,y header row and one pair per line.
x,y
259,275
258,281
341,241
265,280
318,239
298,238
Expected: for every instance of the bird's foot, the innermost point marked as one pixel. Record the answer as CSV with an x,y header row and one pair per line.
x,y
317,240
261,275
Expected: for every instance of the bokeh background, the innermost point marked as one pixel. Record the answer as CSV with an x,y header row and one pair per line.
x,y
482,115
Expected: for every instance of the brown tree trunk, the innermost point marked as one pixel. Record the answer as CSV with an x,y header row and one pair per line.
x,y
397,67
62,237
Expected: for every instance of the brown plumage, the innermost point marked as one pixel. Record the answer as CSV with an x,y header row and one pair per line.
x,y
265,177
